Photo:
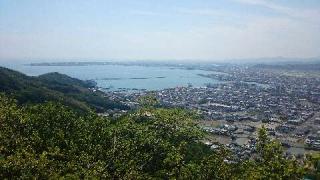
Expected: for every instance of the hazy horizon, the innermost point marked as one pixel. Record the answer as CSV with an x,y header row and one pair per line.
x,y
147,30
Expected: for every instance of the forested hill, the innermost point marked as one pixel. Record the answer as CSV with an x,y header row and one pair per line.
x,y
53,141
54,87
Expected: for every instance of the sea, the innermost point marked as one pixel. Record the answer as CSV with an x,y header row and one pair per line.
x,y
123,77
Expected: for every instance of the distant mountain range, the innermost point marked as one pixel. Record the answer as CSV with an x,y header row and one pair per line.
x,y
69,91
266,60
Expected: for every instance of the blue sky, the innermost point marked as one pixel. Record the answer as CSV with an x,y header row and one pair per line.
x,y
153,29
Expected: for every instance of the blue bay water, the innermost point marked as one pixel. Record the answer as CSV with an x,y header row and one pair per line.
x,y
115,77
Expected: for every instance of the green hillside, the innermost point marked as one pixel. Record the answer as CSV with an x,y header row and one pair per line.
x,y
54,87
50,141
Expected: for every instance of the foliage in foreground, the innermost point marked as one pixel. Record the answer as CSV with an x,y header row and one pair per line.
x,y
50,140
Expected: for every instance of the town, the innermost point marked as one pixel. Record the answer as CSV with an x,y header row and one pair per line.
x,y
286,103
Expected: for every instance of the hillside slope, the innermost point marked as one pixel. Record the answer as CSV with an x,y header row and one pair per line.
x,y
54,87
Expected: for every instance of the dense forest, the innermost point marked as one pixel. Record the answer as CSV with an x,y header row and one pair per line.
x,y
49,128
51,140
55,87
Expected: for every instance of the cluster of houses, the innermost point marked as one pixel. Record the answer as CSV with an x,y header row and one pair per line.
x,y
313,142
248,95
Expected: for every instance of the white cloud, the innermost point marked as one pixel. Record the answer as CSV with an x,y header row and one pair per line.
x,y
146,13
261,37
311,15
295,34
203,12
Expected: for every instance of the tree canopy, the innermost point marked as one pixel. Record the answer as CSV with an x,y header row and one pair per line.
x,y
55,87
51,140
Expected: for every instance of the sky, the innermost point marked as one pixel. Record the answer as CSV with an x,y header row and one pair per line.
x,y
158,29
